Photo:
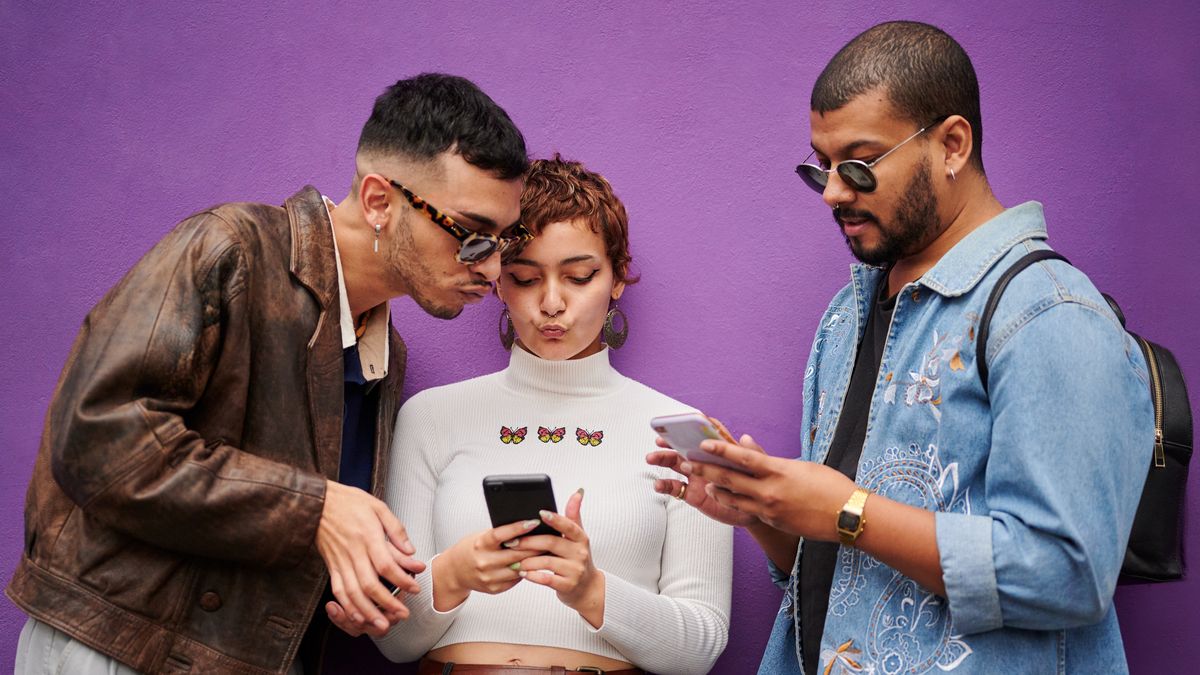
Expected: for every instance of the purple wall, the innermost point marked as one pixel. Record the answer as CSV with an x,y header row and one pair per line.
x,y
118,122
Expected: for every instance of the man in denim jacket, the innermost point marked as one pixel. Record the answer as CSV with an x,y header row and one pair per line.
x,y
931,524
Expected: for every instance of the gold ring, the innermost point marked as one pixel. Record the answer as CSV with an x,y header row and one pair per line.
x,y
682,491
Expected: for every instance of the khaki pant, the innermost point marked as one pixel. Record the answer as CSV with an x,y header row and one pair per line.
x,y
45,650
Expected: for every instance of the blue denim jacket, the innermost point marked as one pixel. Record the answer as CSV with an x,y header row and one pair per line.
x,y
1034,482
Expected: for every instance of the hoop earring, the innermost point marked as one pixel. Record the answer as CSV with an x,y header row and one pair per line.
x,y
508,334
612,337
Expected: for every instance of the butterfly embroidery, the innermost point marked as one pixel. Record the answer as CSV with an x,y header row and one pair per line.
x,y
509,436
584,438
551,435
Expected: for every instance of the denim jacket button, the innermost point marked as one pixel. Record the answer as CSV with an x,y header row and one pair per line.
x,y
210,601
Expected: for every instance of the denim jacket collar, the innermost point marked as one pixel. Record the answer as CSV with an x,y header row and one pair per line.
x,y
964,265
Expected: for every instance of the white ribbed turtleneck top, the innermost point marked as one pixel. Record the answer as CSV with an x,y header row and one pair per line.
x,y
667,567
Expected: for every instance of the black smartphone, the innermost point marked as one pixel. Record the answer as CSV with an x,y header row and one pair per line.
x,y
512,498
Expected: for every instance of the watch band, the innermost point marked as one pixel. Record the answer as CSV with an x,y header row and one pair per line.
x,y
850,520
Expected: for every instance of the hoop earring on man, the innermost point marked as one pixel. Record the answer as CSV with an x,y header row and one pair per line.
x,y
613,337
508,334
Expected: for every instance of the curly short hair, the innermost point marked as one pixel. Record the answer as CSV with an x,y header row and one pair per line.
x,y
559,190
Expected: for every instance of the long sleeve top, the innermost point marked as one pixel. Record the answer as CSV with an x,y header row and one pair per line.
x,y
667,567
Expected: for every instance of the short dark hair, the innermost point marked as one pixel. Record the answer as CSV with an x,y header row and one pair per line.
x,y
423,116
924,71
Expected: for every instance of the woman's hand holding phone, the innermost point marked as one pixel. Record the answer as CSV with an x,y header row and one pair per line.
x,y
564,562
479,562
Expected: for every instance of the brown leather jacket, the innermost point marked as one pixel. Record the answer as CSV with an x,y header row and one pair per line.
x,y
171,518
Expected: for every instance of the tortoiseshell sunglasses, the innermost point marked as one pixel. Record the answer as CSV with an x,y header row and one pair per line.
x,y
473,247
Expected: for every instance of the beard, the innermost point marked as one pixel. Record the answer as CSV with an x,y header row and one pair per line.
x,y
409,271
914,225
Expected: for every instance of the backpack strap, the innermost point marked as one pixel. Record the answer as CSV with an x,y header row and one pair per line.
x,y
994,300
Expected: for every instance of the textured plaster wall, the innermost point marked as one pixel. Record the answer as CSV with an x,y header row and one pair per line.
x,y
118,119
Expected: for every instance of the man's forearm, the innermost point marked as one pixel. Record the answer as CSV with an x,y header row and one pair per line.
x,y
904,538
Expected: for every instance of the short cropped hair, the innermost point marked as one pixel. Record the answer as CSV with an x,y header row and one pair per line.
x,y
924,71
424,116
558,190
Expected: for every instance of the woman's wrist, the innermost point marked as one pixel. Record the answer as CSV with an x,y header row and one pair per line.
x,y
448,593
591,605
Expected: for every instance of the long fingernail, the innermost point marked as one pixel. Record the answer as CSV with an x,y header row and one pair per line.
x,y
530,524
546,515
511,543
515,566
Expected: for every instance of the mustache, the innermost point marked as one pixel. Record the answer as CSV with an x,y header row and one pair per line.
x,y
854,214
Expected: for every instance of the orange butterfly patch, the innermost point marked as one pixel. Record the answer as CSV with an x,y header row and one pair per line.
x,y
551,435
585,438
509,436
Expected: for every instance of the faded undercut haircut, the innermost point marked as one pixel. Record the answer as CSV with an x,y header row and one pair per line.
x,y
924,71
559,190
424,116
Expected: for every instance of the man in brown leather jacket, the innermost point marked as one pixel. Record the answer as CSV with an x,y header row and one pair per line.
x,y
212,458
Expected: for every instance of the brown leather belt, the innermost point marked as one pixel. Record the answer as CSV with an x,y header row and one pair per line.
x,y
431,667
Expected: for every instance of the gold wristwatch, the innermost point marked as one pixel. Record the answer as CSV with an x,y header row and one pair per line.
x,y
850,521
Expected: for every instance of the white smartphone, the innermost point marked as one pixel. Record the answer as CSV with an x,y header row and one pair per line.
x,y
686,431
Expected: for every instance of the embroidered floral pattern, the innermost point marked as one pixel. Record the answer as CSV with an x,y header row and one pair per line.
x,y
922,387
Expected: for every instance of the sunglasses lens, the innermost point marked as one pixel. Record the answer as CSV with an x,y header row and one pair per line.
x,y
858,175
476,250
813,175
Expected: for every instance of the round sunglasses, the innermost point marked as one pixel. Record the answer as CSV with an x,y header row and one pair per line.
x,y
856,173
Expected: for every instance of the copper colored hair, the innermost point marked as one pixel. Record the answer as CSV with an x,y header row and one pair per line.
x,y
557,190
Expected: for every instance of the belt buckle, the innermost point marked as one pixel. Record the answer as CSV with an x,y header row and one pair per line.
x,y
590,669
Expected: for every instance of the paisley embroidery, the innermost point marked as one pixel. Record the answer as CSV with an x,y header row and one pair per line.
x,y
910,630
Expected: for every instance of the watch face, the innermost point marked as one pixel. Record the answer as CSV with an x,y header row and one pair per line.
x,y
847,521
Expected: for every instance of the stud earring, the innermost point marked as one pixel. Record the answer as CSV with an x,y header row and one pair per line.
x,y
508,334
613,337
378,229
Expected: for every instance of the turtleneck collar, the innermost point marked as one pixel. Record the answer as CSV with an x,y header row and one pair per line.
x,y
586,377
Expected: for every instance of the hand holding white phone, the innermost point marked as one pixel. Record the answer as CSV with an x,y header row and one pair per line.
x,y
685,432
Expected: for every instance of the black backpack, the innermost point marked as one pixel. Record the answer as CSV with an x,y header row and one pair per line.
x,y
1155,551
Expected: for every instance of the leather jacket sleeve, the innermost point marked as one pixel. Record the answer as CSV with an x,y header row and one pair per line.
x,y
144,361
